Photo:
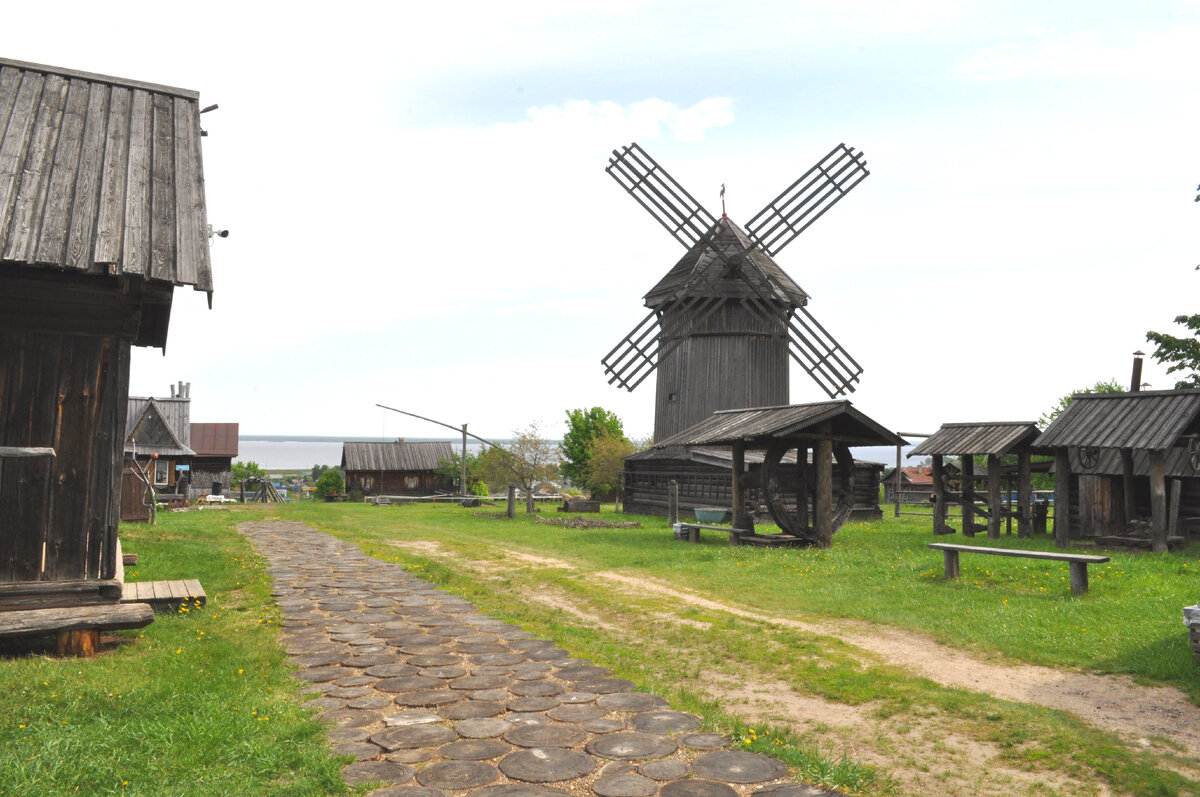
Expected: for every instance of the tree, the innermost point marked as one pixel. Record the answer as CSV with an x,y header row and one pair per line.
x,y
331,480
525,461
583,427
1182,354
451,469
1108,386
246,470
606,461
317,470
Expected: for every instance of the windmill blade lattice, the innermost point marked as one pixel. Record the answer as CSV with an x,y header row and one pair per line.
x,y
807,199
666,200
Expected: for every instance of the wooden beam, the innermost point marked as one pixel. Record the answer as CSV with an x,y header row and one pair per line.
x,y
968,495
995,486
939,497
1024,496
111,616
802,486
1158,502
25,452
1062,498
1127,474
823,462
739,500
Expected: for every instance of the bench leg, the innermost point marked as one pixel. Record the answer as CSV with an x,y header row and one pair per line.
x,y
693,534
1079,582
735,538
950,558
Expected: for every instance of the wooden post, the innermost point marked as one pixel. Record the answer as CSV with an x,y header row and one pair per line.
x,y
1127,486
78,643
739,501
1173,504
512,501
968,495
672,502
823,462
802,486
1062,498
1024,496
995,504
1158,502
896,483
939,496
463,483
529,509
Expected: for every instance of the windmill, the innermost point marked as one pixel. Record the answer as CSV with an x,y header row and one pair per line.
x,y
725,320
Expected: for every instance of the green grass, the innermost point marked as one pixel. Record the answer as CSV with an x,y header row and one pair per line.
x,y
197,703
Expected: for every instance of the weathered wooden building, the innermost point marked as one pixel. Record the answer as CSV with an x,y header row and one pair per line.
x,y
216,447
993,440
804,469
1127,467
157,436
915,484
102,215
399,468
703,476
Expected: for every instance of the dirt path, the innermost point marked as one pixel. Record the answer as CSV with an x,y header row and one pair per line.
x,y
1113,703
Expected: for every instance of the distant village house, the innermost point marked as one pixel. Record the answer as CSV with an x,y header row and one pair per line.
x,y
397,468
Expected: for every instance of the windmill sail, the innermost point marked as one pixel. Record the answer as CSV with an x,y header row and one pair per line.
x,y
807,199
656,191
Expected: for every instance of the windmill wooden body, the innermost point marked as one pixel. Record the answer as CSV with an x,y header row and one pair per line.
x,y
725,321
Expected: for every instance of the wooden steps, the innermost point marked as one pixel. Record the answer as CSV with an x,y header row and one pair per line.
x,y
165,596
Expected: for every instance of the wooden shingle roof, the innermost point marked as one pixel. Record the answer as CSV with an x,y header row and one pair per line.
x,y
214,439
101,175
399,456
998,437
1149,420
760,425
703,265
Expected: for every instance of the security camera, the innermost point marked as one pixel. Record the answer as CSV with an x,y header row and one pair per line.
x,y
223,233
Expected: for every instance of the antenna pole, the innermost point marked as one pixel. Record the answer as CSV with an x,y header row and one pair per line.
x,y
723,201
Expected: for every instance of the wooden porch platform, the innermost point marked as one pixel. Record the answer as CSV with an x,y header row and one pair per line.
x,y
164,596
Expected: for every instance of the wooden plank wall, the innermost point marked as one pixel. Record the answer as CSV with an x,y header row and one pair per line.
x,y
732,360
67,392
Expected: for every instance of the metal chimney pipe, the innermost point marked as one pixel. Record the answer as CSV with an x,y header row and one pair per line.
x,y
188,392
172,391
1135,384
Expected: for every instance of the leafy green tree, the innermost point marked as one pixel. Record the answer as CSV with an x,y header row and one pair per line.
x,y
1105,386
317,470
246,470
451,469
1180,354
583,427
606,461
331,480
526,460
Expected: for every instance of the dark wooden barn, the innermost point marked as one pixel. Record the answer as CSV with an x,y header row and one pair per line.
x,y
398,468
157,438
914,482
804,469
1127,467
703,476
993,440
216,447
102,215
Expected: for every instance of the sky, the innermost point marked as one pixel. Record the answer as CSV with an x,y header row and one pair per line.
x,y
419,216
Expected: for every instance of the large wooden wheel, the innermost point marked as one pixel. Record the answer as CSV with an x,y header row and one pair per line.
x,y
787,517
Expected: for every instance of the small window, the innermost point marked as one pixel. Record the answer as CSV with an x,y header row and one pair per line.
x,y
410,482
672,396
162,472
368,482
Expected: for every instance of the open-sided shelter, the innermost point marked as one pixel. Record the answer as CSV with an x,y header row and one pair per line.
x,y
102,215
1122,458
399,468
967,441
795,492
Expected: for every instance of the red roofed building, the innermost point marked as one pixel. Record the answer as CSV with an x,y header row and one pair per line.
x,y
916,484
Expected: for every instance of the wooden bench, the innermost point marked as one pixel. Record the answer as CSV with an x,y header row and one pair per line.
x,y
693,532
1078,562
165,596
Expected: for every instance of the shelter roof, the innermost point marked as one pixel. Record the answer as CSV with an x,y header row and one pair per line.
x,y
1001,437
158,426
702,265
720,456
214,439
1150,420
760,426
397,456
101,175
